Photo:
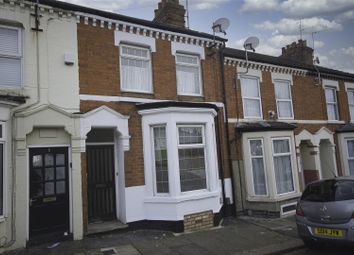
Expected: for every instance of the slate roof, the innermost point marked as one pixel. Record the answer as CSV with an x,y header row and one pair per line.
x,y
263,126
164,104
115,16
347,128
281,61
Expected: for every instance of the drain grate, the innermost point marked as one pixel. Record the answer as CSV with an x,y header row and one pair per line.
x,y
109,251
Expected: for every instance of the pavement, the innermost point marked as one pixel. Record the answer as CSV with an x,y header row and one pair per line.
x,y
244,235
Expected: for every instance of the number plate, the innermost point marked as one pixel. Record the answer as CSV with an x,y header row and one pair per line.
x,y
328,232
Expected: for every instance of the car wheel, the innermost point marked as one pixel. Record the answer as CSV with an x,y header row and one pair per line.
x,y
312,244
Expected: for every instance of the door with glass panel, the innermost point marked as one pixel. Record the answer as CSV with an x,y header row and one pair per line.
x,y
49,191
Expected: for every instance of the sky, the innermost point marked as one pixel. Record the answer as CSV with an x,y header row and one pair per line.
x,y
327,25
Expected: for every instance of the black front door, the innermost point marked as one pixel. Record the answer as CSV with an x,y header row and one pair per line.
x,y
101,182
49,192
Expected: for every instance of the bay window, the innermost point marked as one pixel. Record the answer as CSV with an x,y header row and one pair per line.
x,y
270,165
135,69
188,74
282,165
251,97
160,153
258,171
10,57
331,102
191,158
350,155
283,99
350,93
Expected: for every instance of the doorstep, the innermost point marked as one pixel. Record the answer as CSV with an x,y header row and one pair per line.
x,y
100,227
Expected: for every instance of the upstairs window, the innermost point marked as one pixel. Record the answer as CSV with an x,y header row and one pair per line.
x,y
331,101
251,97
188,75
10,57
350,94
135,63
283,99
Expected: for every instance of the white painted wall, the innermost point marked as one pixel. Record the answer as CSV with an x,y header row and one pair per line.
x,y
59,88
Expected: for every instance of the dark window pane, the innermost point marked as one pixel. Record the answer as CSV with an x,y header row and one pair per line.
x,y
49,174
49,188
61,187
192,169
36,189
60,173
37,175
48,160
60,159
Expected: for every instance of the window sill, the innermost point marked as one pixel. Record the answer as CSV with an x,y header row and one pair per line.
x,y
183,198
336,122
273,199
136,91
2,219
190,95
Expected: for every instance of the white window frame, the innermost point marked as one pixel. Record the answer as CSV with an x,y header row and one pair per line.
x,y
347,153
190,65
153,160
252,98
350,104
291,162
335,103
264,166
4,175
190,146
148,59
15,56
290,100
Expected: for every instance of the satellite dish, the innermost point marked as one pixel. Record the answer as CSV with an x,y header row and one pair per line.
x,y
251,43
220,25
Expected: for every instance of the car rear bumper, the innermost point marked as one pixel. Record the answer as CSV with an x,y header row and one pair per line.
x,y
306,230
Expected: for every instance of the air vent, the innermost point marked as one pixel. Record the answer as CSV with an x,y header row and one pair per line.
x,y
288,209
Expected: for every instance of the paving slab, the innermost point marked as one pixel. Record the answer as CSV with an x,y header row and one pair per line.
x,y
237,236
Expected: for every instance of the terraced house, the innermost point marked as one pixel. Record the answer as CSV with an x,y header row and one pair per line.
x,y
290,123
109,121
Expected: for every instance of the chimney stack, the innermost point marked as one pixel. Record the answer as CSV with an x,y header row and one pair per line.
x,y
170,12
299,52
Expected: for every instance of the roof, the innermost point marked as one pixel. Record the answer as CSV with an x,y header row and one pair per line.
x,y
263,126
281,61
115,16
347,128
166,104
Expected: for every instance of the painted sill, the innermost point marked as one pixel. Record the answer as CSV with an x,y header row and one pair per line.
x,y
273,199
2,219
136,91
190,95
336,122
184,198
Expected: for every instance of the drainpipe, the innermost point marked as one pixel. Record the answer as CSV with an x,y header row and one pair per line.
x,y
227,126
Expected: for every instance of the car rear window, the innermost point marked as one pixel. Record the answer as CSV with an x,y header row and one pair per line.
x,y
329,190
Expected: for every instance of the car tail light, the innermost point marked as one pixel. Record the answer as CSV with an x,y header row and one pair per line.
x,y
299,211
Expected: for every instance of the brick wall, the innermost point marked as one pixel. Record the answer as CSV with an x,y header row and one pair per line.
x,y
198,221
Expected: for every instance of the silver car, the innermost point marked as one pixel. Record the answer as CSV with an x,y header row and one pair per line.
x,y
325,212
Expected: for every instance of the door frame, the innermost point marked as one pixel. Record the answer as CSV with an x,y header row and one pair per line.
x,y
116,170
70,184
